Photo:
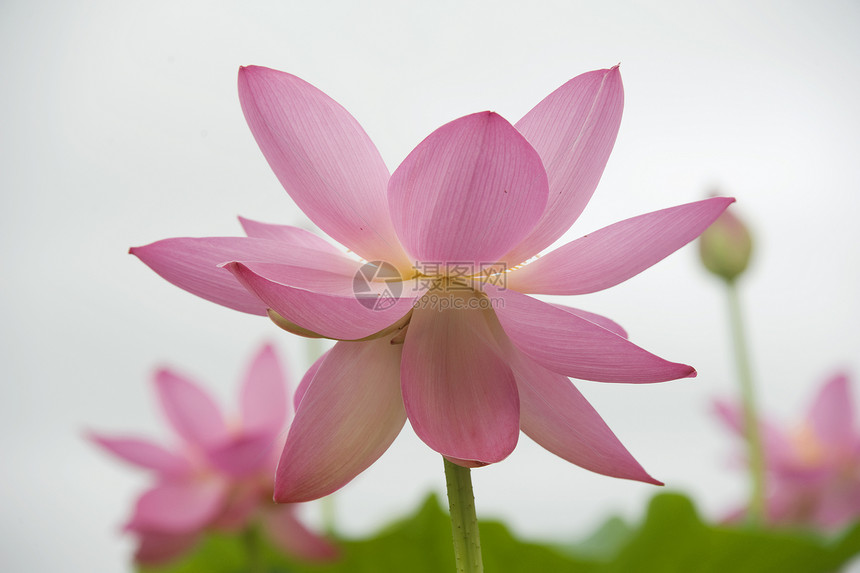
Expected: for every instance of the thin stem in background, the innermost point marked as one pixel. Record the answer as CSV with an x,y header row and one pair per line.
x,y
327,509
464,522
751,425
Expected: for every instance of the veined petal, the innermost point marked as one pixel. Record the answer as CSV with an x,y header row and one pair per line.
x,y
558,417
573,129
292,537
155,548
143,453
459,394
349,415
324,160
178,507
615,253
597,319
832,414
263,401
286,234
468,193
192,265
190,410
306,380
568,344
322,301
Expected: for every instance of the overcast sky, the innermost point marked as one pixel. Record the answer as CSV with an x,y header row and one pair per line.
x,y
121,126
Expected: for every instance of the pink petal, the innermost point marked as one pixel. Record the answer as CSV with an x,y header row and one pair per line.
x,y
190,410
573,129
558,417
156,548
615,253
778,449
286,234
245,455
293,538
348,417
568,344
246,498
321,301
832,413
597,319
264,401
143,453
324,160
840,506
460,395
730,415
192,265
307,379
468,193
178,507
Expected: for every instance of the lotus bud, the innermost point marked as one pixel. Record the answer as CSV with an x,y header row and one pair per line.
x,y
725,247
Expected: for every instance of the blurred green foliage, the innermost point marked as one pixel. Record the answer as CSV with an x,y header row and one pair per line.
x,y
671,538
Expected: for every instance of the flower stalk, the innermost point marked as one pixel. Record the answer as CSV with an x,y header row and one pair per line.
x,y
464,521
252,545
750,416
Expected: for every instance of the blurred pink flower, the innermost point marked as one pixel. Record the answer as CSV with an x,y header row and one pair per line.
x,y
813,468
220,475
436,327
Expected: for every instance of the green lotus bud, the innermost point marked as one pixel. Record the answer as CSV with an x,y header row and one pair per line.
x,y
725,247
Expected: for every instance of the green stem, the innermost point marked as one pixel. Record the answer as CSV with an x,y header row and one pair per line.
x,y
464,522
253,549
328,515
751,425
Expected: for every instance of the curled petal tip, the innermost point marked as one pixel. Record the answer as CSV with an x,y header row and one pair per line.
x,y
692,373
466,463
231,266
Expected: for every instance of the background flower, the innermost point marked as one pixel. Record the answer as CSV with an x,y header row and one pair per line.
x,y
813,467
219,476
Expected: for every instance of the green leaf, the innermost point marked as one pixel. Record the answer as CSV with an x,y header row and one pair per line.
x,y
674,538
605,543
422,544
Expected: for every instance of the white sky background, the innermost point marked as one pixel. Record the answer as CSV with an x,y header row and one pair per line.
x,y
121,126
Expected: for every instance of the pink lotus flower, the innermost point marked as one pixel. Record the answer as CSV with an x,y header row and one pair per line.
x,y
219,477
455,345
813,469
